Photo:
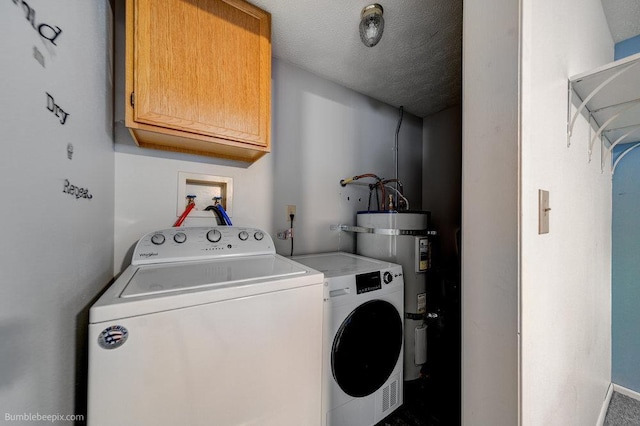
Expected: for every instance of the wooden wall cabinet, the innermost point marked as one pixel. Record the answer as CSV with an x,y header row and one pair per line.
x,y
198,77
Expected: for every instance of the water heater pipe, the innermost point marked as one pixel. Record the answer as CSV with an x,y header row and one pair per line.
x,y
396,155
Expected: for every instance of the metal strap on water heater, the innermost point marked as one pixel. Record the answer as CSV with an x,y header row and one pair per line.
x,y
382,231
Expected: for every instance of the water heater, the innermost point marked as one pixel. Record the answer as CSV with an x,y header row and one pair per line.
x,y
402,238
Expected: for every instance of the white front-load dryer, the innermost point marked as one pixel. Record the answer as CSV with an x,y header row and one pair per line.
x,y
362,338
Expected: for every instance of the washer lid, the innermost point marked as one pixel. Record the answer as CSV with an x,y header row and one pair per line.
x,y
154,288
222,273
338,263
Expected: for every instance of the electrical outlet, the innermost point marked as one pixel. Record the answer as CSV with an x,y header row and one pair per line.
x,y
284,235
291,210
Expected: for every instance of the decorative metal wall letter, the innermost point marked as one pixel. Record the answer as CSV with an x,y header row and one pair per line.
x,y
54,108
76,191
46,31
39,57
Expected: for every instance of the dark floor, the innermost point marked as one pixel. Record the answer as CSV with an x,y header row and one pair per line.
x,y
426,403
622,411
434,399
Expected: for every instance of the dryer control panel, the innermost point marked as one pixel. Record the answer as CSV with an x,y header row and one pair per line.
x,y
371,281
198,243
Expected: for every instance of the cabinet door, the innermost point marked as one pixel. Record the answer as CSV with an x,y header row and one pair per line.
x,y
204,67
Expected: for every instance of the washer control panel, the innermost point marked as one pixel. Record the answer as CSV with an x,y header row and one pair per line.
x,y
196,243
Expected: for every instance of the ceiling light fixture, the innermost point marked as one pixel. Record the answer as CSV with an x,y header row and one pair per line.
x,y
371,24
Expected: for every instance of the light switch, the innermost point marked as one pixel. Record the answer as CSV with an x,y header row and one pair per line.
x,y
543,211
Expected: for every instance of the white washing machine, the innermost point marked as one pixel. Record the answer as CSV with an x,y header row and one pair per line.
x,y
208,326
362,338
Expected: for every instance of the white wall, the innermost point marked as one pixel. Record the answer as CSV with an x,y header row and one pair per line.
x,y
490,214
566,274
56,251
321,133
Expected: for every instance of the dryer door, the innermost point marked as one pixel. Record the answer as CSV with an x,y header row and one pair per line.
x,y
366,348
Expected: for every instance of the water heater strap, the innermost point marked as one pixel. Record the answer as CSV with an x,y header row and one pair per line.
x,y
382,231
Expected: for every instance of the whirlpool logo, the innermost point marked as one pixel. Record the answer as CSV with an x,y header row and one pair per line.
x,y
150,254
113,337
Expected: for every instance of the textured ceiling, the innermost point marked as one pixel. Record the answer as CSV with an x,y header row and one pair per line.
x,y
417,64
623,17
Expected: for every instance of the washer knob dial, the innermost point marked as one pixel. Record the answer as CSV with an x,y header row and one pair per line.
x,y
387,277
258,236
157,239
243,235
180,237
214,235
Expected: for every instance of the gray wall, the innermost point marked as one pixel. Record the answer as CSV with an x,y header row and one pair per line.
x,y
321,133
56,251
442,175
441,194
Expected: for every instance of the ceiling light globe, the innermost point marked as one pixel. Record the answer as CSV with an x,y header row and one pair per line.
x,y
371,24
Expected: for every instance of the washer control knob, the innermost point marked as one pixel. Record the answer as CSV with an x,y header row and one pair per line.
x,y
243,235
214,236
180,237
258,236
157,239
387,277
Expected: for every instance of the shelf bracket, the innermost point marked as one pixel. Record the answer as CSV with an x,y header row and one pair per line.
x,y
569,103
602,128
592,139
584,103
613,145
625,152
631,105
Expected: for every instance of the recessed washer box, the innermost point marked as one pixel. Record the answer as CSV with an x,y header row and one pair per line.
x,y
205,188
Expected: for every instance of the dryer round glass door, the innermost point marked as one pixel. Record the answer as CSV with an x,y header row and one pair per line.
x,y
366,348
